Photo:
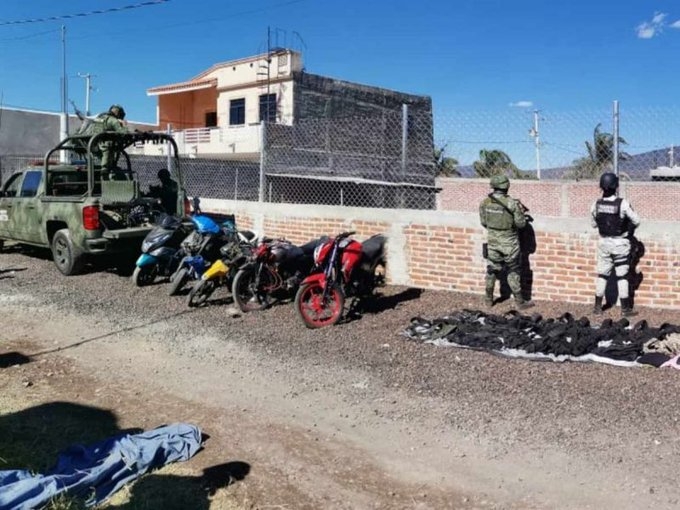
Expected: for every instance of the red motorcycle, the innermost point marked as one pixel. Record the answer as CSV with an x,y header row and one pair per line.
x,y
343,268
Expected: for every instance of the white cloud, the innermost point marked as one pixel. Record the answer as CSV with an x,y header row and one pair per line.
x,y
658,18
649,29
522,104
675,24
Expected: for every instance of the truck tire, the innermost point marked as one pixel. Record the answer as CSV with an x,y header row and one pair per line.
x,y
67,258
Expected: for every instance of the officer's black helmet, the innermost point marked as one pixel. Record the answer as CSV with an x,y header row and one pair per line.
x,y
163,174
609,181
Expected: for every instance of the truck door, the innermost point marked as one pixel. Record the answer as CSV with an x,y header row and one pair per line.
x,y
10,191
28,211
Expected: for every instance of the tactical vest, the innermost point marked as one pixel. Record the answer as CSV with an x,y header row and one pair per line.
x,y
497,216
93,126
608,218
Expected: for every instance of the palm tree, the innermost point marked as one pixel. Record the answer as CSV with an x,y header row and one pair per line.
x,y
445,166
600,156
495,162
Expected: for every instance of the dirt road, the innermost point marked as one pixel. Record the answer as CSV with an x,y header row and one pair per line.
x,y
354,416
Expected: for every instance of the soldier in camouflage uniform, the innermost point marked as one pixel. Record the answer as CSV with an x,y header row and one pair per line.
x,y
112,120
502,217
615,220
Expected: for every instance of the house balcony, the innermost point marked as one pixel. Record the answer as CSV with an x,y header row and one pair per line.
x,y
233,142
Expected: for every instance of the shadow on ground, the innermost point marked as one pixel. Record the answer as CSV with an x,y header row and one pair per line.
x,y
32,439
10,359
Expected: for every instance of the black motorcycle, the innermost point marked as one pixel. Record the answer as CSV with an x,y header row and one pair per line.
x,y
273,272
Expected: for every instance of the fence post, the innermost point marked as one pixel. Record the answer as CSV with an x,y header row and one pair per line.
x,y
404,143
169,156
616,138
263,141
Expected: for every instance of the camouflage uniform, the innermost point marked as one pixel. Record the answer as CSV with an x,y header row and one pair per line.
x,y
615,219
110,121
503,216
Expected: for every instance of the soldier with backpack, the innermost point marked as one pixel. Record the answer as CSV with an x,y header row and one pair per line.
x,y
503,216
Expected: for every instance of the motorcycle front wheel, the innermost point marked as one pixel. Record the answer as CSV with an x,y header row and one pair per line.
x,y
200,292
144,275
249,294
178,280
317,311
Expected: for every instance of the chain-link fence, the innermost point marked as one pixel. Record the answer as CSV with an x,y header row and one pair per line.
x,y
382,161
549,144
392,160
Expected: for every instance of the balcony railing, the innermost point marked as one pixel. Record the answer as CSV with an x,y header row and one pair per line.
x,y
224,141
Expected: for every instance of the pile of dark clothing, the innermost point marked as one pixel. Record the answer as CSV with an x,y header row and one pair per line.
x,y
561,339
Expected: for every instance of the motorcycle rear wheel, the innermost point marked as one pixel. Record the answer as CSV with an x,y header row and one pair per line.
x,y
248,295
200,292
144,275
314,310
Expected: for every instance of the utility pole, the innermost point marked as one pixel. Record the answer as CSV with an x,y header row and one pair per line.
x,y
269,66
63,124
88,87
534,133
671,156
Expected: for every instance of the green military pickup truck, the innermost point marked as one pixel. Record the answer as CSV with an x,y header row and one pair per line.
x,y
73,206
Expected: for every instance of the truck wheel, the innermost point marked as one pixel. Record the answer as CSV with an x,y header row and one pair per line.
x,y
67,258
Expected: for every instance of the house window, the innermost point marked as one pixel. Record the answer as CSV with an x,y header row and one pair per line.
x,y
210,119
237,112
268,107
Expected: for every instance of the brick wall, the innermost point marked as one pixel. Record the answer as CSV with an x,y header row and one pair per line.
x,y
564,199
442,249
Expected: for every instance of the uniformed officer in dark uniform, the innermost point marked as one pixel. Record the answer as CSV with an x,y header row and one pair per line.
x,y
503,217
615,220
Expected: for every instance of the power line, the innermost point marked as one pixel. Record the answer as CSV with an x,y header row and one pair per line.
x,y
30,36
84,14
202,21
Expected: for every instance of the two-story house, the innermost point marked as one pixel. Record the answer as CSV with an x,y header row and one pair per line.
x,y
218,113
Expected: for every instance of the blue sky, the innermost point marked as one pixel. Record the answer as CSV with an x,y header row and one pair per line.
x,y
466,54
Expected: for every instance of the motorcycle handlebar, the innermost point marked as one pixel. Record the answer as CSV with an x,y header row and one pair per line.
x,y
344,235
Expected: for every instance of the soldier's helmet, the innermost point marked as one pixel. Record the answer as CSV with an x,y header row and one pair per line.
x,y
117,111
500,182
609,181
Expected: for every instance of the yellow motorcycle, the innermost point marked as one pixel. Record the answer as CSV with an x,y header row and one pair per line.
x,y
221,272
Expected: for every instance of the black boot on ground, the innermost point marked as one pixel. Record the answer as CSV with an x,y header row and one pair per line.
x,y
597,308
627,308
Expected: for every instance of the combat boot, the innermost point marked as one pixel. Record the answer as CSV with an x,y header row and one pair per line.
x,y
522,304
597,308
627,308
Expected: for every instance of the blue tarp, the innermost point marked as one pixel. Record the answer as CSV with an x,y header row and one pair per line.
x,y
97,471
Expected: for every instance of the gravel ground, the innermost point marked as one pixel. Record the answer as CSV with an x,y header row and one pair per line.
x,y
621,421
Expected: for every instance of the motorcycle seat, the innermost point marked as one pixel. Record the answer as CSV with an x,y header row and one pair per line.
x,y
373,247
